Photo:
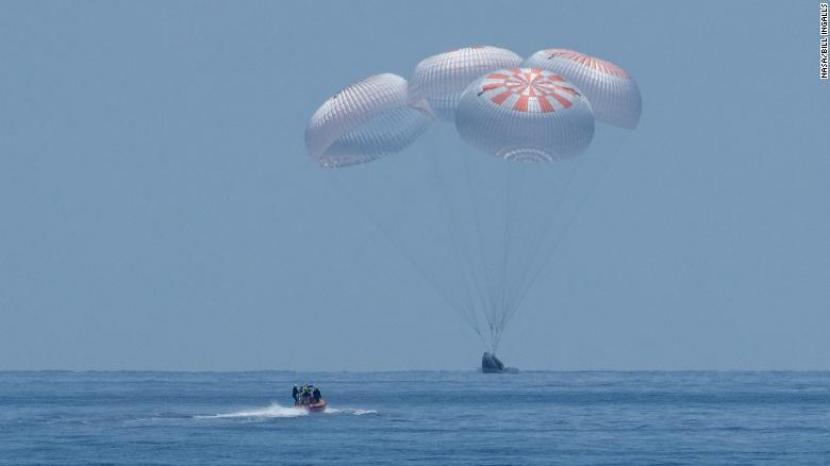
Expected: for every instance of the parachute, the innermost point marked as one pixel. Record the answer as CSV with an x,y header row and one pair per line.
x,y
440,79
613,94
479,229
365,121
525,114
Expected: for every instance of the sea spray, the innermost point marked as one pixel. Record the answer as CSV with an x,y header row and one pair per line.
x,y
274,410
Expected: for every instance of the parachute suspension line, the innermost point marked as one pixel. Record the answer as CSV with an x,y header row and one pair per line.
x,y
510,207
469,247
492,262
475,203
523,169
470,316
570,221
432,281
505,249
534,266
454,229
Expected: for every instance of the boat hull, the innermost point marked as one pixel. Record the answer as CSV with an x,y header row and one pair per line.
x,y
320,406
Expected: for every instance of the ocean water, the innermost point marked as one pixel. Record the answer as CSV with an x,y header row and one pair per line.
x,y
416,418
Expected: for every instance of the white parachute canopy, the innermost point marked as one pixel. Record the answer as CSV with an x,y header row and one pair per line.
x,y
440,79
613,93
365,121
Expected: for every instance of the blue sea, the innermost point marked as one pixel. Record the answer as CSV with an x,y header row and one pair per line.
x,y
416,418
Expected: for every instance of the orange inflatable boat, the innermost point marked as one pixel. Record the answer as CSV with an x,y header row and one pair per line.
x,y
320,406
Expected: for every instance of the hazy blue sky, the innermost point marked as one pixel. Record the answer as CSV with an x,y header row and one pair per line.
x,y
157,209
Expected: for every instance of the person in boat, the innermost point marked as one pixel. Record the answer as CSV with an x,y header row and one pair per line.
x,y
305,395
295,393
315,395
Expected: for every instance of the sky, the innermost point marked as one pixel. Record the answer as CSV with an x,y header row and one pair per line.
x,y
158,209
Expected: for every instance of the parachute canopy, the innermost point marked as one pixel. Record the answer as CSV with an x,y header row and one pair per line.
x,y
525,114
440,79
365,121
614,95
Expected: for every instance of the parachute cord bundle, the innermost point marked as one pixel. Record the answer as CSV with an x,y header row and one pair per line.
x,y
453,229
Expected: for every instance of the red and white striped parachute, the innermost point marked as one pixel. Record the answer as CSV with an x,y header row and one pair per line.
x,y
525,114
613,93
